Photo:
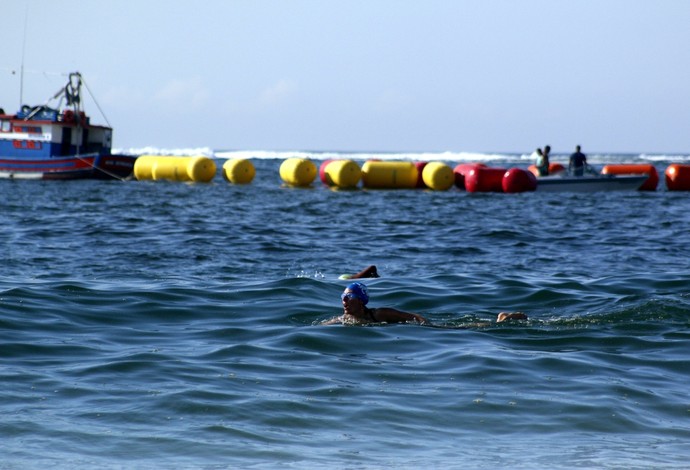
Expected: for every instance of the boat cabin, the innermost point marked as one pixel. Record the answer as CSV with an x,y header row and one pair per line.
x,y
43,132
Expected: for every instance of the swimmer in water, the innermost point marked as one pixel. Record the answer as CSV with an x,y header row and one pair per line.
x,y
355,312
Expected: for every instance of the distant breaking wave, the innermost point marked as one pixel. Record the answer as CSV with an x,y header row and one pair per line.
x,y
397,156
457,157
180,152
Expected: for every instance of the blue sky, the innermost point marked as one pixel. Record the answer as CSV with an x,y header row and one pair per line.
x,y
373,75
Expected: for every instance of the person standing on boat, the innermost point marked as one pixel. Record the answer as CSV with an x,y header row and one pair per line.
x,y
538,158
578,162
542,162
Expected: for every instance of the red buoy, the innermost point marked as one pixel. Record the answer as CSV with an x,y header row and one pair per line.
x,y
517,180
322,173
483,180
649,184
420,168
678,177
461,171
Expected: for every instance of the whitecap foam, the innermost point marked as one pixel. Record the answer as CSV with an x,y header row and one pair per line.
x,y
363,156
178,152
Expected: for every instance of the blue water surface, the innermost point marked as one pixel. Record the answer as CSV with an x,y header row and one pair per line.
x,y
171,325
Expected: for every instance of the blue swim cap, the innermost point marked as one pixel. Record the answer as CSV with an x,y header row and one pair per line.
x,y
359,290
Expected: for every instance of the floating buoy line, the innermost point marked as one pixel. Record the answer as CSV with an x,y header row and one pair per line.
x,y
376,174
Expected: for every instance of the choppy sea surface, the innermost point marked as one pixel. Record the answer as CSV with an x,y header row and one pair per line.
x,y
169,325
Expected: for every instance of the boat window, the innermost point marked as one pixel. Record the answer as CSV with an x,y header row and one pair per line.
x,y
28,129
5,126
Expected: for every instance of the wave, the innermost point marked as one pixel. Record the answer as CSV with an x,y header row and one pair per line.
x,y
447,156
412,156
178,152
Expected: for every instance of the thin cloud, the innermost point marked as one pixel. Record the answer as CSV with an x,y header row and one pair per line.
x,y
189,92
278,94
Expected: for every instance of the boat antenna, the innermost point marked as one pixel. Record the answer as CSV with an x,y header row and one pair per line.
x,y
21,70
93,98
73,91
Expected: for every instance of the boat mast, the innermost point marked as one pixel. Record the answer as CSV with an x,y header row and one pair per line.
x,y
21,69
73,98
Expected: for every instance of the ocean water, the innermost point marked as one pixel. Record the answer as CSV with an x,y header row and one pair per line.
x,y
170,325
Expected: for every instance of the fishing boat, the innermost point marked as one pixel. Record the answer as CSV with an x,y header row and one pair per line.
x,y
43,142
590,183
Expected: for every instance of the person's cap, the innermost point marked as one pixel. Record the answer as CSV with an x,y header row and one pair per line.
x,y
359,290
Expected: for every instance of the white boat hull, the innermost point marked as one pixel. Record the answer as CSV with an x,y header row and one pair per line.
x,y
590,183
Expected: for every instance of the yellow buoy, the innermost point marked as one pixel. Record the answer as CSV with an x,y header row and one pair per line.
x,y
143,167
298,171
238,171
343,173
391,175
201,169
438,176
171,168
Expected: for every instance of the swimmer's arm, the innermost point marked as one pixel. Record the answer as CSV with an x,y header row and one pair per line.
x,y
503,316
369,271
332,321
391,315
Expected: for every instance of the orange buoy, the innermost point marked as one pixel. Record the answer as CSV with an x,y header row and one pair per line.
x,y
554,169
677,177
649,184
483,180
461,170
518,180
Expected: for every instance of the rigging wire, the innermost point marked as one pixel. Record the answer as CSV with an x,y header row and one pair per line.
x,y
102,170
93,97
21,70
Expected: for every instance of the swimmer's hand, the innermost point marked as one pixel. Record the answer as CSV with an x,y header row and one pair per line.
x,y
503,316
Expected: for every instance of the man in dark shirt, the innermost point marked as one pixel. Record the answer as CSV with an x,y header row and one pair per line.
x,y
578,162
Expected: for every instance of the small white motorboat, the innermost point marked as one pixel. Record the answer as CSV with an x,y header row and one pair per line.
x,y
590,183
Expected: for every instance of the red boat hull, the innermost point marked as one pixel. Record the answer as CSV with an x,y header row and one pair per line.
x,y
69,167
